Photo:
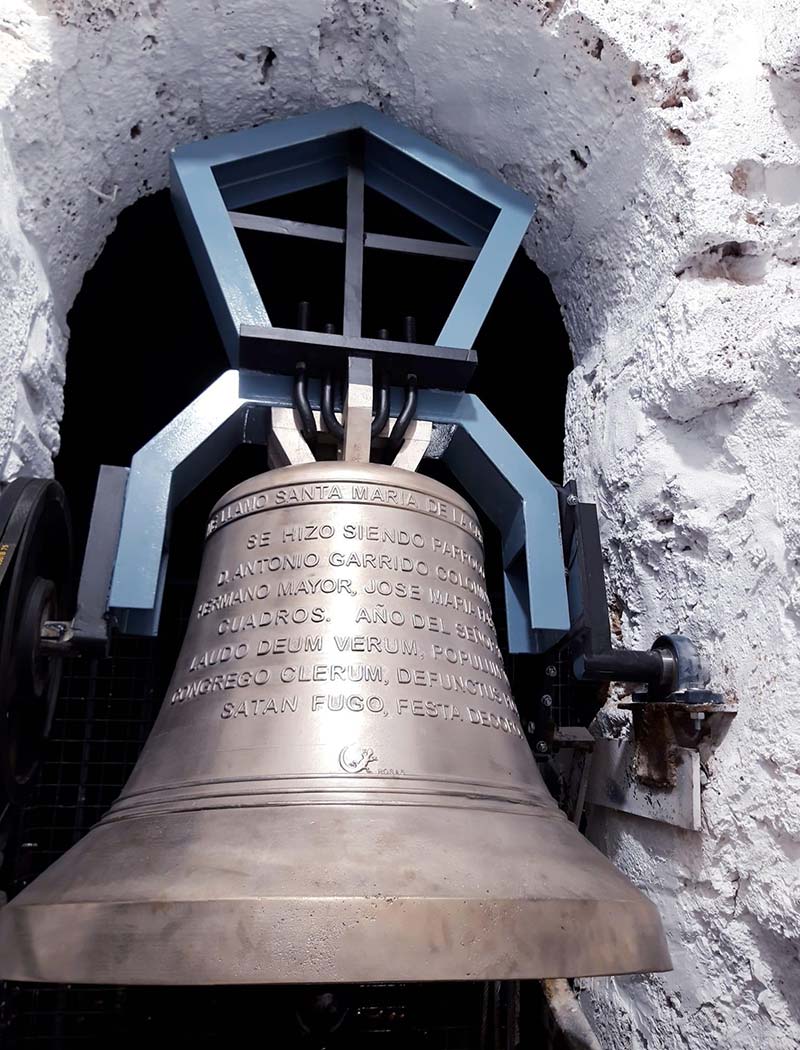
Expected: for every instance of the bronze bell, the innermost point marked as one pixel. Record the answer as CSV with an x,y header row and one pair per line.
x,y
337,787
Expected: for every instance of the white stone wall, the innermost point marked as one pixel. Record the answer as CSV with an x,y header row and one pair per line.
x,y
662,141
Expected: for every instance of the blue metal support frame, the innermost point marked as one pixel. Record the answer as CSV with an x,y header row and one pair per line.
x,y
230,172
494,470
233,171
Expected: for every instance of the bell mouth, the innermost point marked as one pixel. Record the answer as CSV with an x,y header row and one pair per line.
x,y
330,894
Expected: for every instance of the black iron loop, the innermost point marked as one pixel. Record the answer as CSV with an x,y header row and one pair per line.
x,y
326,407
300,397
382,415
403,421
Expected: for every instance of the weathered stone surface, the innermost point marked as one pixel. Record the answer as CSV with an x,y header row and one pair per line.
x,y
661,140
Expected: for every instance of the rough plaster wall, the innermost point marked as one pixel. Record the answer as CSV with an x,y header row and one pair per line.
x,y
661,139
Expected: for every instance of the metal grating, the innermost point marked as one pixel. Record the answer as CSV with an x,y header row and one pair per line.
x,y
104,713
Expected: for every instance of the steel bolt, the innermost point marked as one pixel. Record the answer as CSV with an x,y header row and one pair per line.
x,y
541,746
551,671
572,501
547,700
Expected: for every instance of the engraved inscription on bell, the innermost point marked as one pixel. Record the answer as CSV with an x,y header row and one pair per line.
x,y
335,620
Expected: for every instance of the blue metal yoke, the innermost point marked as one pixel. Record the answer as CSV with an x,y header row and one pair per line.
x,y
495,472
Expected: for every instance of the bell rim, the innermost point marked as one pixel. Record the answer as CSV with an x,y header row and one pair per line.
x,y
437,901
396,960
472,940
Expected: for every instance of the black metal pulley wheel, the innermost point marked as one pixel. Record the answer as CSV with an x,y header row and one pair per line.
x,y
35,586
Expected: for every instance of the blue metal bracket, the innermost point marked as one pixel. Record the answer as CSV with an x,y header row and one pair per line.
x,y
494,470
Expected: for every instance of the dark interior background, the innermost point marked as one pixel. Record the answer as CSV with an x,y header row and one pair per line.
x,y
142,345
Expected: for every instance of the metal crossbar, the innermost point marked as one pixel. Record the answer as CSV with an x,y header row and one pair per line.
x,y
333,234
